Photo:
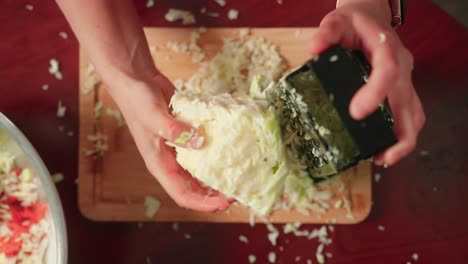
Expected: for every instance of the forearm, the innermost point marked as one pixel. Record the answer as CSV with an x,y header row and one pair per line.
x,y
112,37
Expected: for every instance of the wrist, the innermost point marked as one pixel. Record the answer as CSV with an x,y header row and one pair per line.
x,y
120,79
127,61
381,8
122,84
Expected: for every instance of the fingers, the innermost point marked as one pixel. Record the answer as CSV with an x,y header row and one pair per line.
x,y
392,77
409,119
380,46
164,125
383,49
406,144
181,186
383,78
151,110
217,193
166,86
169,128
188,197
333,29
177,132
419,117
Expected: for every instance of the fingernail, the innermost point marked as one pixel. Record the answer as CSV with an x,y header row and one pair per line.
x,y
196,141
191,139
355,113
222,208
184,137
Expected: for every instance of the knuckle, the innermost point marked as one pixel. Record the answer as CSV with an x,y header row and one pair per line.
x,y
391,39
377,96
389,35
152,168
411,143
139,85
172,129
181,197
374,95
423,119
409,56
178,201
181,201
391,67
158,147
160,104
420,120
333,21
214,210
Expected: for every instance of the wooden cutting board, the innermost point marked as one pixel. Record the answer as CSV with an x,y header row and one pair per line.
x,y
113,188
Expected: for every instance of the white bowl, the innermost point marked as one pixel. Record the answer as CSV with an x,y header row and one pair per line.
x,y
27,157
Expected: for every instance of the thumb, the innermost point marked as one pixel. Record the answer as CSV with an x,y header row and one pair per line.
x,y
172,129
146,103
152,111
177,132
155,117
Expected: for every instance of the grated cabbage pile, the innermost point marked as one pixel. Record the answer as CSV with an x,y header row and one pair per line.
x,y
236,65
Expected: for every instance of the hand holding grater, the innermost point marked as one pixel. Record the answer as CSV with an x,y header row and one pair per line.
x,y
315,100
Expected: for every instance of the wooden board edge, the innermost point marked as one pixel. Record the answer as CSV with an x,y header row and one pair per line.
x,y
122,212
86,170
365,211
98,212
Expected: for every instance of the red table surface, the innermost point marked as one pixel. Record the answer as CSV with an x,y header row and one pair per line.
x,y
422,201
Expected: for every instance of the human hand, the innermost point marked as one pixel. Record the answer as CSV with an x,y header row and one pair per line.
x,y
144,105
113,38
365,25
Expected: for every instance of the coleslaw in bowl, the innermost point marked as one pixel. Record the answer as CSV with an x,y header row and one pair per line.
x,y
31,216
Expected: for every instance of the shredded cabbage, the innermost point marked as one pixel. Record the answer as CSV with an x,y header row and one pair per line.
x,y
7,161
236,65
